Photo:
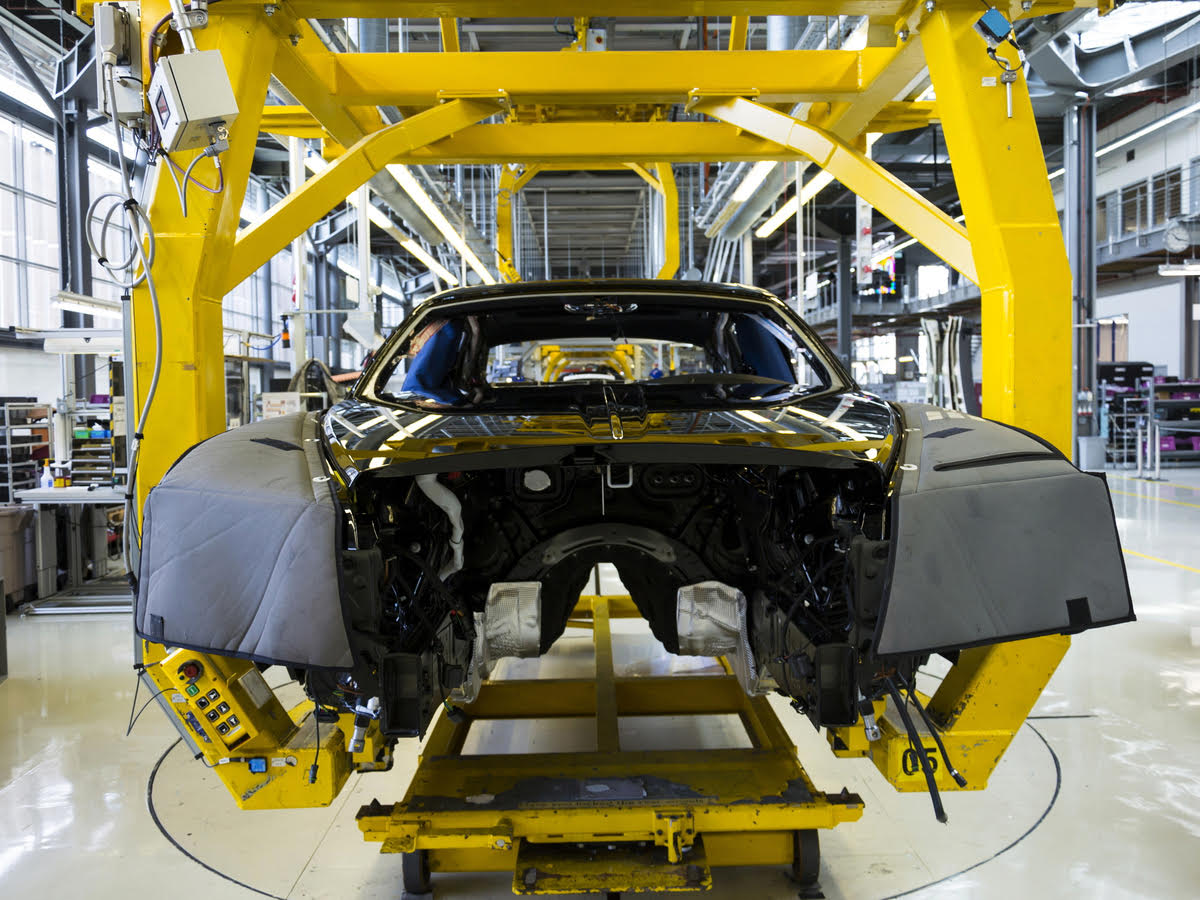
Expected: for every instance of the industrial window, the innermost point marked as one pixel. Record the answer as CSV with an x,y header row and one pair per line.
x,y
1167,192
1103,219
1134,208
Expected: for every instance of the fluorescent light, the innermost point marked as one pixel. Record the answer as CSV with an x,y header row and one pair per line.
x,y
814,186
409,182
811,188
753,181
1138,134
767,228
382,220
88,306
1188,268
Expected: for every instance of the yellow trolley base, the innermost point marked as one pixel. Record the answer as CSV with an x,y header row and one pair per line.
x,y
608,821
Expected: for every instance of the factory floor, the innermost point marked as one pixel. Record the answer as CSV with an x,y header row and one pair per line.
x,y
1098,797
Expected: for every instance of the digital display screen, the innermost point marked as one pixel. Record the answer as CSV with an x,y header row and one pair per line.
x,y
164,111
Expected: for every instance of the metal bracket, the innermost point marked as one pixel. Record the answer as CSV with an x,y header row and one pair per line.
x,y
695,95
498,96
675,830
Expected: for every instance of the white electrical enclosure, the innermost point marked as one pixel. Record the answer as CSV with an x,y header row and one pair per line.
x,y
189,97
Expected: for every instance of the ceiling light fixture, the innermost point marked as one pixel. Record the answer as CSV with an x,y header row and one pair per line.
x,y
1187,268
1138,134
811,188
409,182
753,181
383,221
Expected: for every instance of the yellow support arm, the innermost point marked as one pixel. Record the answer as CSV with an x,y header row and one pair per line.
x,y
288,219
855,170
504,224
670,195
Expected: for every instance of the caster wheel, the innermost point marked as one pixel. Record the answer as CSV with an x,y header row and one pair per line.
x,y
806,857
415,869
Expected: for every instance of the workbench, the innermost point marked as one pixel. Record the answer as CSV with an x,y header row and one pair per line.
x,y
77,596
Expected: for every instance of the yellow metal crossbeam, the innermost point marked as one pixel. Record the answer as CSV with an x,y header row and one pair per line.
x,y
612,77
900,203
292,121
504,225
288,219
883,10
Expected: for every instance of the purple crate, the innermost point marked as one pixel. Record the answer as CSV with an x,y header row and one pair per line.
x,y
1167,442
1195,442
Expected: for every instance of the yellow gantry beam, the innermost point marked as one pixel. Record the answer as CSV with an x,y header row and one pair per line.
x,y
612,77
900,203
289,218
670,196
882,10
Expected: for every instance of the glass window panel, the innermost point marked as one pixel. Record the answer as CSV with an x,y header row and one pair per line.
x,y
41,232
8,222
7,131
40,174
9,302
43,286
1134,212
1167,195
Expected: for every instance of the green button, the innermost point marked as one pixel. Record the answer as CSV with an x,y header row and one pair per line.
x,y
192,690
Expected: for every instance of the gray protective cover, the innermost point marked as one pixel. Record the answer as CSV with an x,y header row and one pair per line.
x,y
240,553
995,536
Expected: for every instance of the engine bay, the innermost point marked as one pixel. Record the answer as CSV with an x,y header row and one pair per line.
x,y
802,550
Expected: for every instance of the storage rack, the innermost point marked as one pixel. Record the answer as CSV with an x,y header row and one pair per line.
x,y
21,422
92,457
1164,411
1135,411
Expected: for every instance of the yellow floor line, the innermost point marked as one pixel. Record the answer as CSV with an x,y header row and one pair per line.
x,y
1165,562
1182,487
1157,499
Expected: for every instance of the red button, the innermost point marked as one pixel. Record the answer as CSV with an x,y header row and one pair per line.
x,y
191,670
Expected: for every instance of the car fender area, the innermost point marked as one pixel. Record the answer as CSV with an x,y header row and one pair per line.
x,y
996,536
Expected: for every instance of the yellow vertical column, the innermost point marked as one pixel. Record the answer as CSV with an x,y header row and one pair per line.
x,y
1025,280
670,196
504,224
1019,254
191,252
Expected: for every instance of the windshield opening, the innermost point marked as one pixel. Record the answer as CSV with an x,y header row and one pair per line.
x,y
550,353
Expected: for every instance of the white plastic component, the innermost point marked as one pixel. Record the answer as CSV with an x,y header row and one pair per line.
x,y
119,46
191,99
446,500
536,480
710,618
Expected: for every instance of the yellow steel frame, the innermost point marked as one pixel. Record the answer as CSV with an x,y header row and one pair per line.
x,y
579,110
742,806
513,179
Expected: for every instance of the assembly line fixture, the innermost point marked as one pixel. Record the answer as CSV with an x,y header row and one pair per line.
x,y
575,110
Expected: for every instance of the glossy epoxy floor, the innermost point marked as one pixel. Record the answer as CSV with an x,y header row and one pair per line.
x,y
1121,717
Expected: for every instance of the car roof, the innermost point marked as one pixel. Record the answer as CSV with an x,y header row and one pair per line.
x,y
597,285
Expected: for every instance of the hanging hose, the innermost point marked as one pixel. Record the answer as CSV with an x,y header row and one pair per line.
x,y
915,739
958,779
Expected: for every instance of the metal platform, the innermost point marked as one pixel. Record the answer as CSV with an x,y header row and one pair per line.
x,y
608,820
103,595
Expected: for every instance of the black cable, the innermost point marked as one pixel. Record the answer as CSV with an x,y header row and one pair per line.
x,y
162,829
312,770
1028,831
931,782
954,773
132,718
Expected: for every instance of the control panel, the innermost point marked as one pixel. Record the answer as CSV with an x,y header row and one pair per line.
x,y
227,697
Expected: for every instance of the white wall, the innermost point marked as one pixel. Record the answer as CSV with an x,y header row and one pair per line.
x,y
1154,306
30,373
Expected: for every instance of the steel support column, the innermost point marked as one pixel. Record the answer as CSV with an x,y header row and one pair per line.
x,y
1023,272
1079,230
191,404
845,297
